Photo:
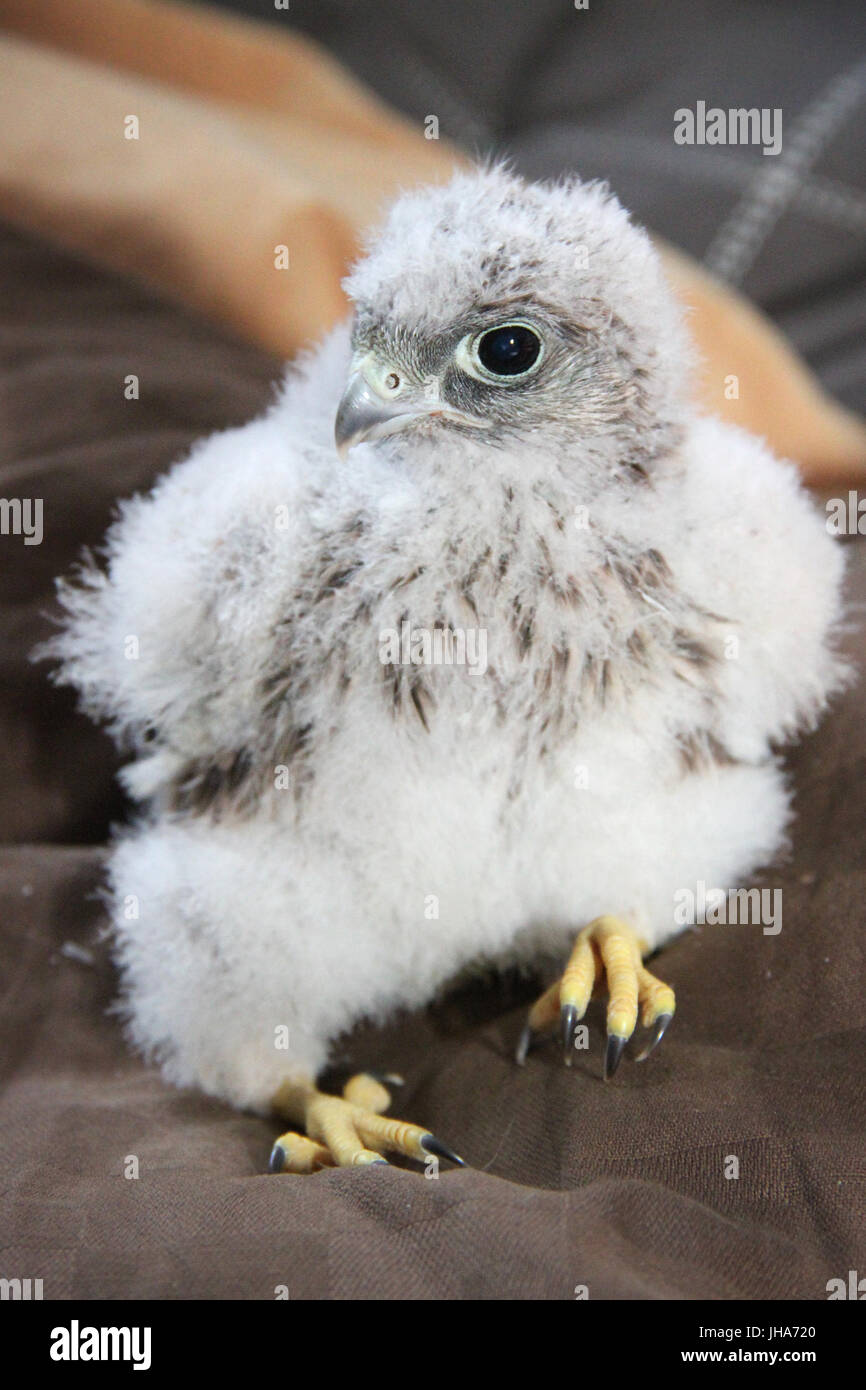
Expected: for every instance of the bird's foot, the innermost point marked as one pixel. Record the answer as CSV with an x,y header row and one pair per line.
x,y
607,951
348,1130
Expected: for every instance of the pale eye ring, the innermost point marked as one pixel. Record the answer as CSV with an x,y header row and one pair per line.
x,y
505,352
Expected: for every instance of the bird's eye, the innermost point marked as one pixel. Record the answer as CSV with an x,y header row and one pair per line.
x,y
510,350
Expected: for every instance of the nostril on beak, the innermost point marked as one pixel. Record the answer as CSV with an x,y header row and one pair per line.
x,y
392,381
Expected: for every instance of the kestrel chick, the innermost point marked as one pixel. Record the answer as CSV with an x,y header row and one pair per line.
x,y
479,638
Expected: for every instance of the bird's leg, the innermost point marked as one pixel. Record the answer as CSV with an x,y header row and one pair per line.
x,y
609,952
348,1130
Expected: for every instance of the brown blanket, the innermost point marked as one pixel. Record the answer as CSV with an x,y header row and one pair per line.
x,y
622,1188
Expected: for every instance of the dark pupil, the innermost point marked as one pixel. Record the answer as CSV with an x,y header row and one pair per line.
x,y
508,351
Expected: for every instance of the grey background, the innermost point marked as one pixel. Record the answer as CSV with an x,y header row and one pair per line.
x,y
595,91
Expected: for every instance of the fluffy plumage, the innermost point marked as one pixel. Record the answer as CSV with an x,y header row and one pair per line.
x,y
659,599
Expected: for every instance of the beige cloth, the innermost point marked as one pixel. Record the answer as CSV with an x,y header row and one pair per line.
x,y
251,138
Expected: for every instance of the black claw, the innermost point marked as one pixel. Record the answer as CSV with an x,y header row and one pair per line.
x,y
523,1045
613,1054
277,1159
661,1028
431,1145
568,1027
377,1161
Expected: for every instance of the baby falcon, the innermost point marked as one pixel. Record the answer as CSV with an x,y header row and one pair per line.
x,y
339,812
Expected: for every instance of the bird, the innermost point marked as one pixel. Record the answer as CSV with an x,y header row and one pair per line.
x,y
475,650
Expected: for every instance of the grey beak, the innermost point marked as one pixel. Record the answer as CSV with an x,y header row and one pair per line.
x,y
364,413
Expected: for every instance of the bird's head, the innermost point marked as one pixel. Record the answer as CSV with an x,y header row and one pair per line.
x,y
505,311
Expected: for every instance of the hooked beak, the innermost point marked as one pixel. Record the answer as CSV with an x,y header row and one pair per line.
x,y
370,410
378,401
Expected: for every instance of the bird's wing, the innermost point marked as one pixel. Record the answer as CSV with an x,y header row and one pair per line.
x,y
749,546
176,640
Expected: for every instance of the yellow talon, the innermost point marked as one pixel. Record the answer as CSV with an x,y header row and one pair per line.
x,y
578,981
607,951
345,1131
